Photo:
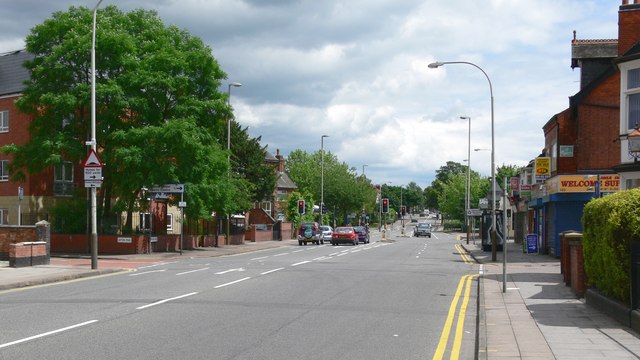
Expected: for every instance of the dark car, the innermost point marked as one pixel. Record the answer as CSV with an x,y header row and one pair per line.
x,y
344,234
310,232
363,234
422,229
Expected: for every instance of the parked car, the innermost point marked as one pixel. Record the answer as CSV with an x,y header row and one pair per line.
x,y
310,232
344,234
363,234
422,229
414,220
327,232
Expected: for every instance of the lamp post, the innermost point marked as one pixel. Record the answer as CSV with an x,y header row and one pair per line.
x,y
92,142
322,175
468,192
234,84
363,165
437,64
401,213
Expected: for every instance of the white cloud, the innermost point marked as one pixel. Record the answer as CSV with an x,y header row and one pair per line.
x,y
357,71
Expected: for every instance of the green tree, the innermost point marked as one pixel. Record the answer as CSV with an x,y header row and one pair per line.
x,y
247,161
159,111
344,191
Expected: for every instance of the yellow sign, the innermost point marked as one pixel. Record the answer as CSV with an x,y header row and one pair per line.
x,y
543,168
583,183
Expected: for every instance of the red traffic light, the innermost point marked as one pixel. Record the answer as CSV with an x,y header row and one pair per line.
x,y
301,207
385,205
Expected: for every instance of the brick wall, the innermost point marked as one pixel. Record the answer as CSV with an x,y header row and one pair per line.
x,y
598,125
28,254
15,234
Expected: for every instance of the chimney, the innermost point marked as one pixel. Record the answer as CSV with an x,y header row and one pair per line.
x,y
628,25
280,161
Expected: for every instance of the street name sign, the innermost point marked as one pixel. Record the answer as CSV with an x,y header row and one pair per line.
x,y
168,188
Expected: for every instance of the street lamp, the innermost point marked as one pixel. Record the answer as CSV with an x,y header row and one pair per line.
x,y
363,165
437,64
468,192
92,142
234,84
322,175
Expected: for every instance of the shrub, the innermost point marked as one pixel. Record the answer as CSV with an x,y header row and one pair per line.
x,y
610,225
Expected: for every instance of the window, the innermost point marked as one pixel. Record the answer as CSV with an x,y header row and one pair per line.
x,y
4,216
632,93
4,121
266,206
4,170
169,222
63,179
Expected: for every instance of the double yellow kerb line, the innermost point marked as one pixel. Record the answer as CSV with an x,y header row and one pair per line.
x,y
463,292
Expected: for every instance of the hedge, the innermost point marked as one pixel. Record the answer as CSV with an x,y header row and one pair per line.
x,y
610,224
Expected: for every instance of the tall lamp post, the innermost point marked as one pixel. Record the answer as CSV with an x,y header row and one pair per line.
x,y
322,175
92,142
437,64
468,192
234,84
363,165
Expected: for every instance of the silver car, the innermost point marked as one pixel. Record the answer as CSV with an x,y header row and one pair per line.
x,y
327,232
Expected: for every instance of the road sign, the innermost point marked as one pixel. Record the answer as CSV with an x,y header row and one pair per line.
x,y
168,188
93,174
92,160
474,212
92,184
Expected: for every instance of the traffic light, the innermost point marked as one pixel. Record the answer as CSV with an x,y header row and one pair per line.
x,y
301,207
385,205
403,210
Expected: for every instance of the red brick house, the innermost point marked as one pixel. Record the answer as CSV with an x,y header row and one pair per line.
x,y
583,141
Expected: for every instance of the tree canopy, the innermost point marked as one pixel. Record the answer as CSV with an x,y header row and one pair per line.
x,y
160,115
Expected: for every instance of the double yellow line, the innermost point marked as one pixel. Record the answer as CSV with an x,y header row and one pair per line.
x,y
465,283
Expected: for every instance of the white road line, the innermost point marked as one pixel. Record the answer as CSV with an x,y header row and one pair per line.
x,y
165,300
259,258
231,283
296,251
270,271
322,258
228,271
158,264
281,254
341,254
301,262
147,272
334,254
47,334
192,271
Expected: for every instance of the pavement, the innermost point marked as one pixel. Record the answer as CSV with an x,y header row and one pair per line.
x,y
532,315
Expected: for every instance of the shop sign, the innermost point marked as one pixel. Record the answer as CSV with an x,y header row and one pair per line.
x,y
543,168
583,183
566,150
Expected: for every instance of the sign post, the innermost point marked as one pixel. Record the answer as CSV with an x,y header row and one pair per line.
x,y
93,179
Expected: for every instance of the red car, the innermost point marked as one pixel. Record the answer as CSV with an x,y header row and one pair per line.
x,y
344,234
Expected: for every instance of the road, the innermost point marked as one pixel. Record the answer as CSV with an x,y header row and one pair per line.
x,y
398,298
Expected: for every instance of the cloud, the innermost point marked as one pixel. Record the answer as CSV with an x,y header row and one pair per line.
x,y
357,70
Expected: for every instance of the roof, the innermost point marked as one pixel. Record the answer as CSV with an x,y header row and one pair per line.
x,y
285,182
12,73
582,49
268,157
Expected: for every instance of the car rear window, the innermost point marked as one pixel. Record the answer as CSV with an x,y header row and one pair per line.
x,y
343,230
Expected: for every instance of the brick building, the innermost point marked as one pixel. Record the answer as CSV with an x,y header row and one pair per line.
x,y
583,141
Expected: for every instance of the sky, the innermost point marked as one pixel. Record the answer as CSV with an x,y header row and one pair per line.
x,y
357,71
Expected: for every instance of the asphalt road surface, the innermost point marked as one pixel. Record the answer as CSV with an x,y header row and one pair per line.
x,y
397,298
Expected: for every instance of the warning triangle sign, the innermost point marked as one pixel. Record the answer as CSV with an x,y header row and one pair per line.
x,y
92,160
